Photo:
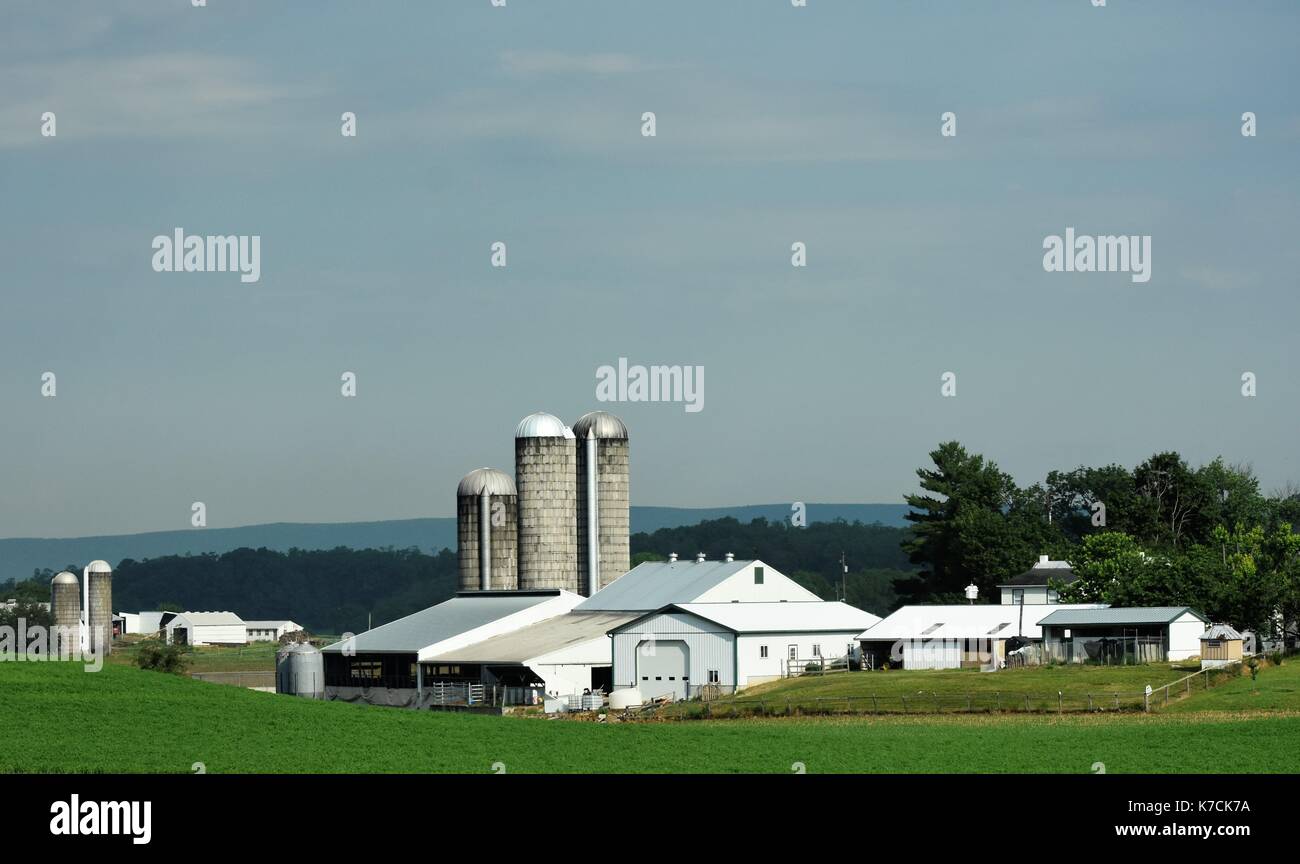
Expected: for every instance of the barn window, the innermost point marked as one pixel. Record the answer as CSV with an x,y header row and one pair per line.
x,y
762,651
713,676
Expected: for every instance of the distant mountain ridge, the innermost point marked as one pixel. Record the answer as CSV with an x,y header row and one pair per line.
x,y
19,556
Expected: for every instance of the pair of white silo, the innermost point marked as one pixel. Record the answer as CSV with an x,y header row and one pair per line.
x,y
562,522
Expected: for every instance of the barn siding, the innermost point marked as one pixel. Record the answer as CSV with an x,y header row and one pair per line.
x,y
710,647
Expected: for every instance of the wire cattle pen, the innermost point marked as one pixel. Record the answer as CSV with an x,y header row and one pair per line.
x,y
968,702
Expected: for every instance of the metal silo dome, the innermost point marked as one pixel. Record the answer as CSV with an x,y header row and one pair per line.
x,y
99,567
65,608
486,480
602,424
542,425
65,578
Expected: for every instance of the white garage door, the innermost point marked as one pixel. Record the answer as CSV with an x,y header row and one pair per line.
x,y
661,668
932,655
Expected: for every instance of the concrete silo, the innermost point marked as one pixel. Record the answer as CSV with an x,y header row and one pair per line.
x,y
545,474
65,608
487,531
603,500
98,603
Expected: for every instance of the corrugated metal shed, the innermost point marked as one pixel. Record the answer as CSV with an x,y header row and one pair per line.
x,y
1117,615
449,618
1221,631
984,621
653,585
537,640
816,616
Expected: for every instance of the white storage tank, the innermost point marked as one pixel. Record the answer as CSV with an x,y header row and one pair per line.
x,y
300,671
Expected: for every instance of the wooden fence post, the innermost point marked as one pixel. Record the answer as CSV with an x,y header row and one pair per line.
x,y
1060,702
875,704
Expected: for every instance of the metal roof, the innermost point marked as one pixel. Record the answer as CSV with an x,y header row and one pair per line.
x,y
449,618
653,585
815,616
99,567
488,480
210,619
535,640
65,578
267,625
1221,631
542,425
602,424
973,621
1118,615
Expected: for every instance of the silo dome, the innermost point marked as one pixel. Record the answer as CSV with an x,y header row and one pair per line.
x,y
602,424
488,480
542,425
99,567
65,578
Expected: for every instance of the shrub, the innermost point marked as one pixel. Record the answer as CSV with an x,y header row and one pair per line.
x,y
161,657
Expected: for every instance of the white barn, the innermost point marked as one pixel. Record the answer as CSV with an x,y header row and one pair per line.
x,y
270,631
953,637
204,628
676,650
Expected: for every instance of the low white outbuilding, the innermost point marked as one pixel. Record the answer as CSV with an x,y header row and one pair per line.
x,y
677,650
269,631
1142,634
204,628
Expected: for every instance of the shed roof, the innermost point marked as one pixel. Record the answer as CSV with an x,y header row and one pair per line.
x,y
210,619
1118,615
815,616
972,621
267,625
653,585
535,640
449,618
1221,631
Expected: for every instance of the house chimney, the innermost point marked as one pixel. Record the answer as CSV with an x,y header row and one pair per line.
x,y
672,557
1043,559
730,557
699,557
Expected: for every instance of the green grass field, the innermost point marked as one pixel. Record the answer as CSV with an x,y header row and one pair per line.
x,y
255,657
1278,689
59,718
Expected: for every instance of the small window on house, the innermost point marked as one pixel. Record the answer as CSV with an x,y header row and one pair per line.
x,y
1052,596
817,650
762,651
758,575
1017,595
713,676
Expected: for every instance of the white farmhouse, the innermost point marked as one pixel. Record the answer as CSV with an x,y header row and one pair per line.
x,y
270,631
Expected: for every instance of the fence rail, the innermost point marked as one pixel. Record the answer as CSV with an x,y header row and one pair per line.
x,y
974,701
238,679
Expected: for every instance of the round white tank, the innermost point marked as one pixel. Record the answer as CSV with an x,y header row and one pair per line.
x,y
628,697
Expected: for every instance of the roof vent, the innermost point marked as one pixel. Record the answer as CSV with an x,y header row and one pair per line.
x,y
672,557
1043,559
699,557
730,557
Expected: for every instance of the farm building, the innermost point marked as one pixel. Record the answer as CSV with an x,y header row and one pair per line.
x,y
652,585
1136,634
1221,645
387,665
1035,586
203,628
683,647
955,637
142,622
269,631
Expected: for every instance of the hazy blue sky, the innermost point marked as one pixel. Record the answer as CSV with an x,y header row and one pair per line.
x,y
522,124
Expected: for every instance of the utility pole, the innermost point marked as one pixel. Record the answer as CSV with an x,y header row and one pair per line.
x,y
844,578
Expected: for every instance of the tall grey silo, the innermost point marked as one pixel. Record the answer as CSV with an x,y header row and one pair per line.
x,y
487,510
545,468
603,499
65,608
99,606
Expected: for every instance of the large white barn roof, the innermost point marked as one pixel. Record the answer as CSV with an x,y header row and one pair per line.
x,y
984,621
537,640
210,619
652,585
817,616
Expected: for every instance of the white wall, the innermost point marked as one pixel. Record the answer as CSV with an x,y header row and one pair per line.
x,y
754,668
740,586
1035,595
208,634
710,647
1185,637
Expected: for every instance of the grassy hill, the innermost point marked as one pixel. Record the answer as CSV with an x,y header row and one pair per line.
x,y
126,720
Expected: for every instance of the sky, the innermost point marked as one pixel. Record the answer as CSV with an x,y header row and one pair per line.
x,y
524,124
